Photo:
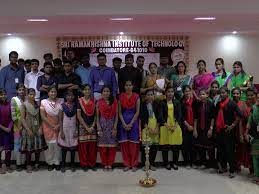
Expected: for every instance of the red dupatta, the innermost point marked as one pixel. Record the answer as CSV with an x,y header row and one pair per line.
x,y
128,102
220,122
189,111
89,107
106,110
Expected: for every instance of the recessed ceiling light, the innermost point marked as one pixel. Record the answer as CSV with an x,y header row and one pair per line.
x,y
121,19
234,32
9,34
204,18
121,33
37,20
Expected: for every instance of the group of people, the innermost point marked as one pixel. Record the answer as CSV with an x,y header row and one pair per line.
x,y
71,105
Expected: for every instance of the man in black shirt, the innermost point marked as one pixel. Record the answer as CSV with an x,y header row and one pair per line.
x,y
129,72
68,80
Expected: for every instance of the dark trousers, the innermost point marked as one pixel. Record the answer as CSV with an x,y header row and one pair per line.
x,y
64,156
175,149
188,149
28,158
226,150
152,154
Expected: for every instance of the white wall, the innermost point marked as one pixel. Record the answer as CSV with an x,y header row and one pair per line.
x,y
208,47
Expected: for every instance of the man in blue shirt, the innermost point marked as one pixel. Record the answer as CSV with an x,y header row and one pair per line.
x,y
11,75
102,76
83,71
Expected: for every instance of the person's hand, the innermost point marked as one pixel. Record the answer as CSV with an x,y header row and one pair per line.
x,y
241,138
190,128
40,131
100,133
29,132
195,134
209,134
246,137
62,135
229,128
167,125
114,132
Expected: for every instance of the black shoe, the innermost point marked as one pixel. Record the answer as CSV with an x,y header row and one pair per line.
x,y
57,167
175,167
93,169
168,167
50,167
63,169
73,168
19,168
85,169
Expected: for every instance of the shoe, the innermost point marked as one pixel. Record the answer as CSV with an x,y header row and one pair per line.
x,y
231,175
126,169
195,167
175,167
29,169
109,168
63,169
19,168
36,168
3,170
168,167
85,169
134,169
152,168
57,167
188,167
51,167
93,169
73,168
202,167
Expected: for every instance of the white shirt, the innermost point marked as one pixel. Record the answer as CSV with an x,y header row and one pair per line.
x,y
30,81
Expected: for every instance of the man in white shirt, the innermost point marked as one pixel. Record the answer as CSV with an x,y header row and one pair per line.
x,y
31,78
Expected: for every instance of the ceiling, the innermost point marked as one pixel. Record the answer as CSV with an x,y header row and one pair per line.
x,y
149,17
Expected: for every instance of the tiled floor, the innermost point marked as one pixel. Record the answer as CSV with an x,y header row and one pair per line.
x,y
182,181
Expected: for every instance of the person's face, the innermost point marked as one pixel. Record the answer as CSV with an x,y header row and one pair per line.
x,y
170,93
48,59
203,95
3,97
181,68
48,69
128,86
215,88
219,66
150,97
106,93
236,68
164,60
68,68
57,66
75,64
117,64
34,66
31,95
101,60
21,92
52,93
236,95
250,96
140,62
187,93
13,58
85,60
201,67
87,91
223,94
129,61
70,97
153,69
27,66
70,55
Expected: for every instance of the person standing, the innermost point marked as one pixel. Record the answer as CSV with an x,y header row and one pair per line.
x,y
107,120
51,115
6,132
129,72
165,69
116,62
128,129
31,78
83,71
140,66
221,75
68,81
101,76
11,75
32,140
87,147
